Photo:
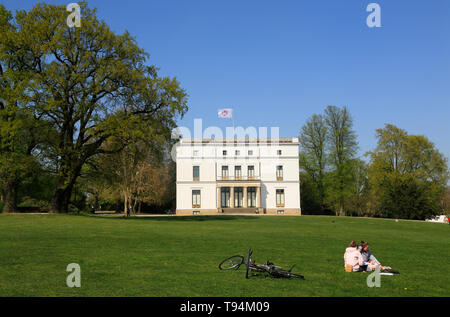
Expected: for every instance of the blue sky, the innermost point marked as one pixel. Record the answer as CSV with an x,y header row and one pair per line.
x,y
278,62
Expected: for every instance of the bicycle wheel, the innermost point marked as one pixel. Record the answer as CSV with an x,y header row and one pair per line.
x,y
233,262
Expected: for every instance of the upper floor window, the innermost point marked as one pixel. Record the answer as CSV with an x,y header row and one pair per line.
x,y
279,173
196,152
237,171
237,152
250,152
196,173
224,171
251,171
224,152
278,152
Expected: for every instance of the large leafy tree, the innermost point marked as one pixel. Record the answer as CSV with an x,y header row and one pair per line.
x,y
359,200
342,146
313,138
22,131
91,85
408,175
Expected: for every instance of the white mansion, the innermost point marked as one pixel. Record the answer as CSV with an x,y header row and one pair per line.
x,y
238,176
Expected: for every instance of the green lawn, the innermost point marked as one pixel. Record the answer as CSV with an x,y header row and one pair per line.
x,y
179,256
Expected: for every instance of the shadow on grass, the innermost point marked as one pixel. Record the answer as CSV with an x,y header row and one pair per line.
x,y
173,218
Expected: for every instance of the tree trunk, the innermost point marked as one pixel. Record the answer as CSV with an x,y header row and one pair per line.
x,y
96,203
60,201
61,196
341,210
10,195
125,203
63,192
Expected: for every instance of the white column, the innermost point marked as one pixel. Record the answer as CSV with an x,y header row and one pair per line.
x,y
231,197
218,198
258,197
245,205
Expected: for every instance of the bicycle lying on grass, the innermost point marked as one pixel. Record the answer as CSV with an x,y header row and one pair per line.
x,y
234,263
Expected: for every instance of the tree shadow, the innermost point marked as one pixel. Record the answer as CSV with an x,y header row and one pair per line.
x,y
174,218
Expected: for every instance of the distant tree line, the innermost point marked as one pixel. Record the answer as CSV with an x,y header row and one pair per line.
x,y
85,122
405,176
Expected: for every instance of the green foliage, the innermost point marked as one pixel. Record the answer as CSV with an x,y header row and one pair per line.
x,y
313,136
408,175
41,205
327,156
87,85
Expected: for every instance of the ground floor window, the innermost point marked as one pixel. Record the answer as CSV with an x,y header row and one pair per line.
x,y
238,197
280,197
251,197
196,198
225,197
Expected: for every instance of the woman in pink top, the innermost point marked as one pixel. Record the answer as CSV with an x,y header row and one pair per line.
x,y
353,258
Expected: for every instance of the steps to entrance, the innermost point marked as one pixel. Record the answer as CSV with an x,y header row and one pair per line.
x,y
239,210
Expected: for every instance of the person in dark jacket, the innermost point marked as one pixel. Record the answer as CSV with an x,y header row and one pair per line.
x,y
369,260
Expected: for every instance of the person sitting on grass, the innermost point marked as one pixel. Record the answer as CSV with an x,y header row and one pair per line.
x,y
370,261
352,258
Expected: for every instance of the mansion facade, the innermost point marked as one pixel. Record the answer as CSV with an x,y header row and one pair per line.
x,y
238,176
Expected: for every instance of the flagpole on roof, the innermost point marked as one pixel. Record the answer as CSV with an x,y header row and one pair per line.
x,y
227,113
232,118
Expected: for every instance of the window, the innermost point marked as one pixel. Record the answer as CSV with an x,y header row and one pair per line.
x,y
225,172
238,197
196,212
237,152
280,197
250,152
280,212
251,172
225,197
196,173
237,172
196,198
279,152
196,152
279,173
251,197
224,153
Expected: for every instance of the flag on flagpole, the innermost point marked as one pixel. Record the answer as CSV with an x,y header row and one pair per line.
x,y
225,113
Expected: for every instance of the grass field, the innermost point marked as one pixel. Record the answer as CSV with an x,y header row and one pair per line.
x,y
179,256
